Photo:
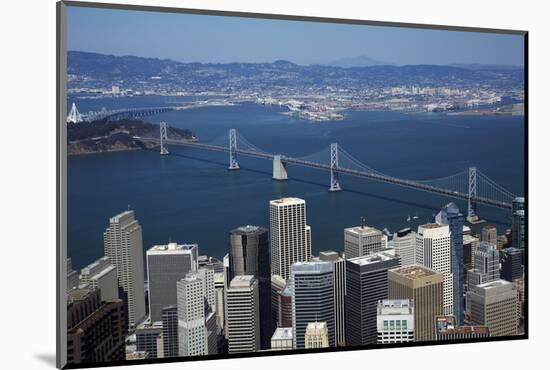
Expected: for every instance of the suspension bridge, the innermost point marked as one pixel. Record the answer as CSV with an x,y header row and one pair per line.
x,y
470,184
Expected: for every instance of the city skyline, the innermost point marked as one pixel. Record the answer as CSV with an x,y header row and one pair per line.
x,y
223,39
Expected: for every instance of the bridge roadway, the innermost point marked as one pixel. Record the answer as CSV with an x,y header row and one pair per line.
x,y
363,174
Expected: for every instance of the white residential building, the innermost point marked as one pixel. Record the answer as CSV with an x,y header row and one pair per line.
x,y
123,244
362,240
395,321
433,250
101,274
404,243
290,236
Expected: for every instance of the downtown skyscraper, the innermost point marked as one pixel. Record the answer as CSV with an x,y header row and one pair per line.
x,y
290,236
243,315
433,250
123,245
249,255
450,215
166,264
312,287
366,284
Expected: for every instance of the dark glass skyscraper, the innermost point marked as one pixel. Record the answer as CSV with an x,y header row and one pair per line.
x,y
450,215
511,260
518,223
366,284
312,287
249,254
170,330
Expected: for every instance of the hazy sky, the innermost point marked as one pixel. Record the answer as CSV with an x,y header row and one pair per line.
x,y
204,38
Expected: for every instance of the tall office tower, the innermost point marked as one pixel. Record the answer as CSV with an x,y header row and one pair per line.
x,y
518,229
511,260
395,321
425,288
366,284
316,335
489,234
446,328
192,313
339,267
243,314
502,242
486,265
206,274
170,331
96,330
281,339
433,250
219,286
404,243
494,305
72,276
312,287
249,255
519,286
149,338
450,215
277,286
285,308
124,246
290,236
166,264
361,240
101,274
211,333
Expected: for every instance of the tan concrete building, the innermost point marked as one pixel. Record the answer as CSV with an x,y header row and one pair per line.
x,y
316,335
425,287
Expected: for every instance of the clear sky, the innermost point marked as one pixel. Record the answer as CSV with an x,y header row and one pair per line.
x,y
205,38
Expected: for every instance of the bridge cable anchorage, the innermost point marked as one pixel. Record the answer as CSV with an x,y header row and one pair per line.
x,y
163,136
233,164
334,183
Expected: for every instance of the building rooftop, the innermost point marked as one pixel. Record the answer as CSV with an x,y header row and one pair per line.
x,y
311,267
242,281
362,230
287,201
414,271
493,284
248,229
372,258
172,248
447,325
126,214
282,334
395,307
317,325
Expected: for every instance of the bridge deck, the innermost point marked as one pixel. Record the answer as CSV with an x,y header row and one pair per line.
x,y
363,174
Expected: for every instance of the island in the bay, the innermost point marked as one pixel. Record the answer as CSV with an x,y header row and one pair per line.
x,y
106,136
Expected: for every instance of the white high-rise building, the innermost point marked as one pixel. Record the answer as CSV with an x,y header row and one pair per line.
x,y
101,274
433,250
404,243
166,264
243,314
124,246
192,316
395,321
290,237
362,240
207,276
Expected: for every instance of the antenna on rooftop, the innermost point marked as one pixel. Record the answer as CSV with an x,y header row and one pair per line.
x,y
362,222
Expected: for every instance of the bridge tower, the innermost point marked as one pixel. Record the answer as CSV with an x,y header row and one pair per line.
x,y
163,136
279,168
233,164
472,193
334,184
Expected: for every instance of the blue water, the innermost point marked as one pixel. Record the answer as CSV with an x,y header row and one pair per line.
x,y
190,196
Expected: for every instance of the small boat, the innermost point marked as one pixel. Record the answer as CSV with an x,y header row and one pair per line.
x,y
409,218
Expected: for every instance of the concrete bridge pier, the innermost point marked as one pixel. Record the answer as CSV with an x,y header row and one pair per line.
x,y
279,169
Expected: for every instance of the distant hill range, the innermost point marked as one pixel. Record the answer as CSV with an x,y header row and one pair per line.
x,y
359,61
92,69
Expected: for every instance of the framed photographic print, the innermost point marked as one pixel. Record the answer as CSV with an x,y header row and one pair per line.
x,y
235,184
